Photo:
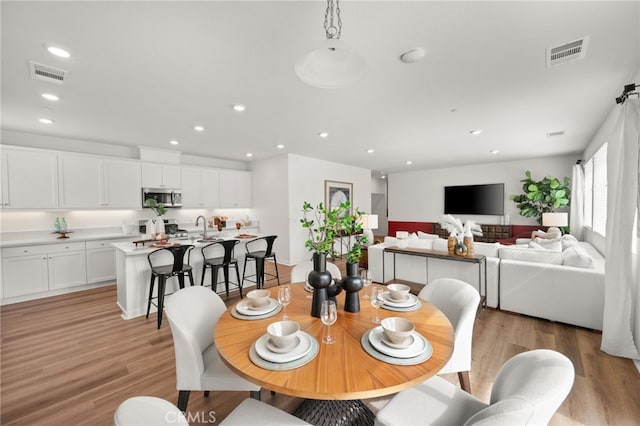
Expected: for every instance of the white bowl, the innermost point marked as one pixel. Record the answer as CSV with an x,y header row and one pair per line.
x,y
398,292
283,334
258,298
398,330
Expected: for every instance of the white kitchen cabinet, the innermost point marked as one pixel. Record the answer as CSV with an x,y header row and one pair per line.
x,y
29,179
160,176
101,261
122,184
40,268
200,187
95,182
67,269
235,189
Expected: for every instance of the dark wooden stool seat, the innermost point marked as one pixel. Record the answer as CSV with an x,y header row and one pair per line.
x,y
162,271
216,262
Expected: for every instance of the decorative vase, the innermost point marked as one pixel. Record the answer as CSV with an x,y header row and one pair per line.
x,y
333,290
158,226
461,249
468,243
451,244
352,284
319,279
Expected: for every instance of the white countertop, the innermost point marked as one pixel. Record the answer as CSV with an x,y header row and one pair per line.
x,y
130,249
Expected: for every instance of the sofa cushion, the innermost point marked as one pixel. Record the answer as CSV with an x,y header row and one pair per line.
x,y
417,243
425,236
487,249
526,254
577,256
543,244
568,240
413,236
440,244
390,241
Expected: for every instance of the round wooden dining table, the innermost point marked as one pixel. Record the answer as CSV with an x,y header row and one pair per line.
x,y
340,371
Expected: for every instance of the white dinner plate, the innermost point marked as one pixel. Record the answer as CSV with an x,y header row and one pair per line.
x,y
298,352
410,301
417,347
244,308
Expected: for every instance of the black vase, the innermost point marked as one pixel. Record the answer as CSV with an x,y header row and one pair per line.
x,y
319,279
352,284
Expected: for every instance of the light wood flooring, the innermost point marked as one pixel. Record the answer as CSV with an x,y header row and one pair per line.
x,y
71,360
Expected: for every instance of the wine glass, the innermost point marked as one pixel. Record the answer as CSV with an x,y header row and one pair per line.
x,y
376,301
365,275
284,297
328,315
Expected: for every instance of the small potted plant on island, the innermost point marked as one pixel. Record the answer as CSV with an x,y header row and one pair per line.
x,y
158,223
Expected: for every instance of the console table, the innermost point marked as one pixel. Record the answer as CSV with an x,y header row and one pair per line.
x,y
479,259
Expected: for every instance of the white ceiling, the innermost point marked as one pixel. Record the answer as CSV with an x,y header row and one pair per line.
x,y
143,73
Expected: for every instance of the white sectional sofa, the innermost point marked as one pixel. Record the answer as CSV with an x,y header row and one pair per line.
x,y
566,285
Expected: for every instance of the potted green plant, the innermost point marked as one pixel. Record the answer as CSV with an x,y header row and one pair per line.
x,y
157,207
158,222
542,196
322,227
351,227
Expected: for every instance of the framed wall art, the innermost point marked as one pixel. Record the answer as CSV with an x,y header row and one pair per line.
x,y
336,193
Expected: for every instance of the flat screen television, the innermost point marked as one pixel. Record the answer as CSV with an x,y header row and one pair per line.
x,y
474,199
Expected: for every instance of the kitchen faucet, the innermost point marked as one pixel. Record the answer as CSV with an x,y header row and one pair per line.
x,y
204,226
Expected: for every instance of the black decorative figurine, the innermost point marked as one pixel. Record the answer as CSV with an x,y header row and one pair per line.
x,y
352,284
319,279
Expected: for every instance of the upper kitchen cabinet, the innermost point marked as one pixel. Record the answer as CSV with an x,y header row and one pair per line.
x,y
95,182
29,179
235,189
160,176
200,188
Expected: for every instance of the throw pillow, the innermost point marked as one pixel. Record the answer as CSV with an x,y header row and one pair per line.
x,y
541,243
425,236
413,236
577,256
568,241
552,233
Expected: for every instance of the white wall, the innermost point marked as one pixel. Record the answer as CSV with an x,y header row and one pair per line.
x,y
419,196
306,183
270,194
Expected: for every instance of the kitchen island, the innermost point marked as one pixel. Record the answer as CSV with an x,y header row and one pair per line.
x,y
133,273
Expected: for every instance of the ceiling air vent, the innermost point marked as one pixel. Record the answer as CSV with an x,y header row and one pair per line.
x,y
47,73
558,133
567,52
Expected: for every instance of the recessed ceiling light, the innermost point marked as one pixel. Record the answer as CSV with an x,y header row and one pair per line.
x,y
248,154
370,151
408,163
323,134
46,120
239,107
174,142
50,97
198,128
279,146
58,51
476,132
494,151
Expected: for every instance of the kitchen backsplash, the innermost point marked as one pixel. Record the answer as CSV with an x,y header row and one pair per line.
x,y
19,221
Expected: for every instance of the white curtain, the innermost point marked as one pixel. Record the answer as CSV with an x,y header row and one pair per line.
x,y
576,217
621,278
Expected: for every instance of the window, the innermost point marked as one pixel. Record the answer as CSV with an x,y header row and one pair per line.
x,y
595,191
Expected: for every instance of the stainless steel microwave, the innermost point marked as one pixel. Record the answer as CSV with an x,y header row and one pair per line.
x,y
169,197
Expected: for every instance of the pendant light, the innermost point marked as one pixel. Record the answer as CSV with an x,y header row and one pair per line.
x,y
333,64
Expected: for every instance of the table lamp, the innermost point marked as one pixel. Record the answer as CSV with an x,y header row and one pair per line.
x,y
557,220
369,222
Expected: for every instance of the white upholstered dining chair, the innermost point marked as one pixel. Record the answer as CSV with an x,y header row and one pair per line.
x,y
459,302
254,412
193,313
148,410
528,390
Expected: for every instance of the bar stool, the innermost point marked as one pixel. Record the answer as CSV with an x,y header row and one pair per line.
x,y
161,269
216,262
259,250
